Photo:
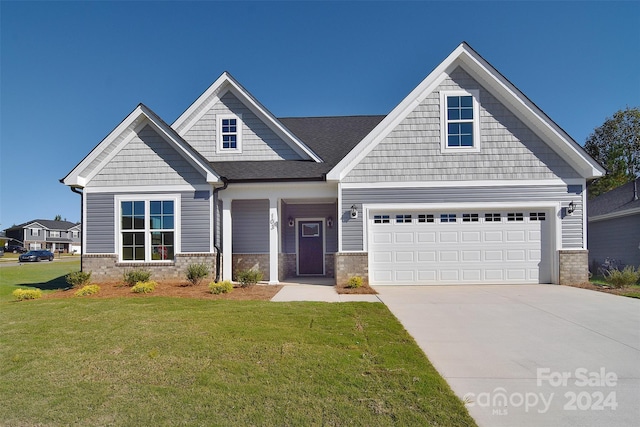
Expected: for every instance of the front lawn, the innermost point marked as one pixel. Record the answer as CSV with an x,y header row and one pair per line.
x,y
175,361
44,275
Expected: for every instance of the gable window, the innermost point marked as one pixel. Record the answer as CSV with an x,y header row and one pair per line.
x,y
54,233
75,234
229,133
148,229
35,231
460,127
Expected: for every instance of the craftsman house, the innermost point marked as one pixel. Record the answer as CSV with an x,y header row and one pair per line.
x,y
465,181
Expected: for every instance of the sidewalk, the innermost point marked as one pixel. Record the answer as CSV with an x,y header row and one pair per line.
x,y
319,292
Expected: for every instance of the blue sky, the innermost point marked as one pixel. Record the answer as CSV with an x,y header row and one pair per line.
x,y
71,71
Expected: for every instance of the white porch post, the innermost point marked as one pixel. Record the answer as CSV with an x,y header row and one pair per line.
x,y
227,251
274,232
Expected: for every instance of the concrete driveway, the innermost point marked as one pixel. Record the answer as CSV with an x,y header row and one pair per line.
x,y
529,355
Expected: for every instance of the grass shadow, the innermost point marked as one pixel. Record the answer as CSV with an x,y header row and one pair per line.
x,y
54,284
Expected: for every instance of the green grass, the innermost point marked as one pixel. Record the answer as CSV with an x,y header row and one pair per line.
x,y
43,275
171,361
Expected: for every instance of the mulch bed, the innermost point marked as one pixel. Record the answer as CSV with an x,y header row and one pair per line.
x,y
363,290
606,289
176,289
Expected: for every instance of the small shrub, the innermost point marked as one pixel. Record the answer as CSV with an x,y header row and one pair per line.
x,y
621,279
248,277
25,294
131,277
87,290
144,287
197,272
220,287
354,282
78,278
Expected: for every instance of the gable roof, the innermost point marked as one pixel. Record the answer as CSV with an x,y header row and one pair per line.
x,y
468,59
125,132
46,223
330,137
615,203
226,83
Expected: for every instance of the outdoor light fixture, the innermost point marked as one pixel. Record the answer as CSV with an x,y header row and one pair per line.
x,y
354,211
571,208
291,222
330,222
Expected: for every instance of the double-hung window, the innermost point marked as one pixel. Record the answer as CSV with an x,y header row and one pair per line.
x,y
229,133
148,229
460,124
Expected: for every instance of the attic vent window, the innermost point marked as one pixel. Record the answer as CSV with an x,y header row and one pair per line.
x,y
229,133
460,128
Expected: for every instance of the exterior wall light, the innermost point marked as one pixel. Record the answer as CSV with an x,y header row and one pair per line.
x,y
330,222
291,222
354,212
571,208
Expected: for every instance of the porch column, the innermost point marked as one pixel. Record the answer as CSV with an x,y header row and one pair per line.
x,y
227,248
274,232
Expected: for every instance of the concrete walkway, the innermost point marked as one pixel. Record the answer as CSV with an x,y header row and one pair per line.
x,y
529,355
320,290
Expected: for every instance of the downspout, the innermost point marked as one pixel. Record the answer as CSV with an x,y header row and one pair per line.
x,y
77,191
215,229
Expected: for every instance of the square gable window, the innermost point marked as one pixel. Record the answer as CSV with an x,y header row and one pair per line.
x,y
459,121
229,133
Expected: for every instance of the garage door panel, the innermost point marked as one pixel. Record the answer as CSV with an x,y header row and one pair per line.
x,y
493,250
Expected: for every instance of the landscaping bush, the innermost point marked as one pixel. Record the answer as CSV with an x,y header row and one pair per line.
x,y
621,279
131,277
144,287
78,278
248,277
87,290
354,282
220,287
24,294
197,272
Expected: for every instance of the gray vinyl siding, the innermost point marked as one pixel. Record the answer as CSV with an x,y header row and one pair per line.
x,y
259,142
352,238
508,149
100,222
147,160
196,222
617,238
309,211
250,226
99,219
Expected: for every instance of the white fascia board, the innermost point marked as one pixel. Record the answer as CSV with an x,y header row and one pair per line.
x,y
147,188
612,215
500,87
530,114
76,178
213,94
465,184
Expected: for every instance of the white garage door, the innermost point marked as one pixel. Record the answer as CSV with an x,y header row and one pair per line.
x,y
459,247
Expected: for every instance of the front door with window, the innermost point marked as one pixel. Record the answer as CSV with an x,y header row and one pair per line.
x,y
310,248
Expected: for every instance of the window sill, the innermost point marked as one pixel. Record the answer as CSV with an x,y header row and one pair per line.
x,y
145,263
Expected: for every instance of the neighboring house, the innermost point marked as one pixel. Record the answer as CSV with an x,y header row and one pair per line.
x,y
465,181
56,236
614,226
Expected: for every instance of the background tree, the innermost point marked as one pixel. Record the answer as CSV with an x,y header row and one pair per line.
x,y
616,145
58,218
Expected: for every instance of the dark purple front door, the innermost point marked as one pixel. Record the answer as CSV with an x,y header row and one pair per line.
x,y
310,247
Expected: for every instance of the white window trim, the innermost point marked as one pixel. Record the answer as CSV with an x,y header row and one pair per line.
x,y
147,231
54,233
444,148
219,119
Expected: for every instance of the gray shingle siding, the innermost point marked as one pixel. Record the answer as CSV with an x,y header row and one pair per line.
x,y
258,141
250,226
147,160
352,238
509,149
